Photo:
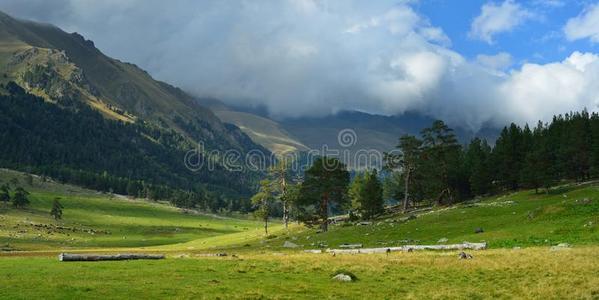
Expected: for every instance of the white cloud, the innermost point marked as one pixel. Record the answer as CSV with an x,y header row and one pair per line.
x,y
317,57
537,91
497,18
498,61
585,25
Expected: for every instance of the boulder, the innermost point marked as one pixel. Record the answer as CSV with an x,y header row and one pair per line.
x,y
478,230
442,241
342,277
561,246
464,255
289,244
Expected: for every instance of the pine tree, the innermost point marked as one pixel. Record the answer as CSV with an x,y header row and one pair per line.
x,y
280,173
372,202
441,153
263,200
5,193
20,199
407,162
325,183
477,162
356,192
56,211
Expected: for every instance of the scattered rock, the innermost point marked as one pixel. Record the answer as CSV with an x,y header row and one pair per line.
x,y
364,223
405,219
561,246
584,201
289,244
478,230
313,251
464,255
343,277
442,240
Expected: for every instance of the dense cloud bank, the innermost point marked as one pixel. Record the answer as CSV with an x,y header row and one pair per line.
x,y
316,57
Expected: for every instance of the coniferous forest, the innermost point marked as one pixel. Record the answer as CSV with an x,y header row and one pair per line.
x,y
438,168
72,143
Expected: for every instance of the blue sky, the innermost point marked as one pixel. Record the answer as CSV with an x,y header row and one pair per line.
x,y
469,62
539,39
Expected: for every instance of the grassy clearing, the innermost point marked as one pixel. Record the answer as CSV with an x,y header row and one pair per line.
x,y
100,221
498,273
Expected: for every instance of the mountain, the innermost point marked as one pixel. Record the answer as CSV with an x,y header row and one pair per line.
x,y
59,66
368,131
68,71
261,129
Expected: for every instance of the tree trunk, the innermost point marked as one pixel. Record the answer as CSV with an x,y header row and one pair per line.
x,y
409,248
285,204
406,192
266,226
324,212
95,257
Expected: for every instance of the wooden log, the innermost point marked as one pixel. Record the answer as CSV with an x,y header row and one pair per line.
x,y
410,248
350,246
97,257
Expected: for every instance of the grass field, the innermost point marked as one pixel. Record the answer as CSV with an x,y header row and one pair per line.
x,y
496,273
93,220
520,229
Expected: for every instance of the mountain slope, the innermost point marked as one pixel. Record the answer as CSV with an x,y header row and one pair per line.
x,y
263,131
61,67
139,145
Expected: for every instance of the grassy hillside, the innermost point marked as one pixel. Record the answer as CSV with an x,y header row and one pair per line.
x,y
263,131
567,215
95,220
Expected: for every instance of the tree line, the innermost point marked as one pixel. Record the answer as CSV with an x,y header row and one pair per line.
x,y
435,169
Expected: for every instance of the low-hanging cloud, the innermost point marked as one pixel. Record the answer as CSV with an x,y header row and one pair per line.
x,y
303,57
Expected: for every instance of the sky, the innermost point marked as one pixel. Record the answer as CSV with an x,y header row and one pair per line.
x,y
469,62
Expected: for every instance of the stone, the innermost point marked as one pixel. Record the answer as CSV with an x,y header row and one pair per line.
x,y
289,244
561,246
478,230
464,255
442,240
342,277
314,251
405,219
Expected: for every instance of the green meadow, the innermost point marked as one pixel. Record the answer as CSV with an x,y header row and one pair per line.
x,y
519,228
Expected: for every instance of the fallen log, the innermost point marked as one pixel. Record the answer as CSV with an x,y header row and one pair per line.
x,y
96,257
410,248
350,246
